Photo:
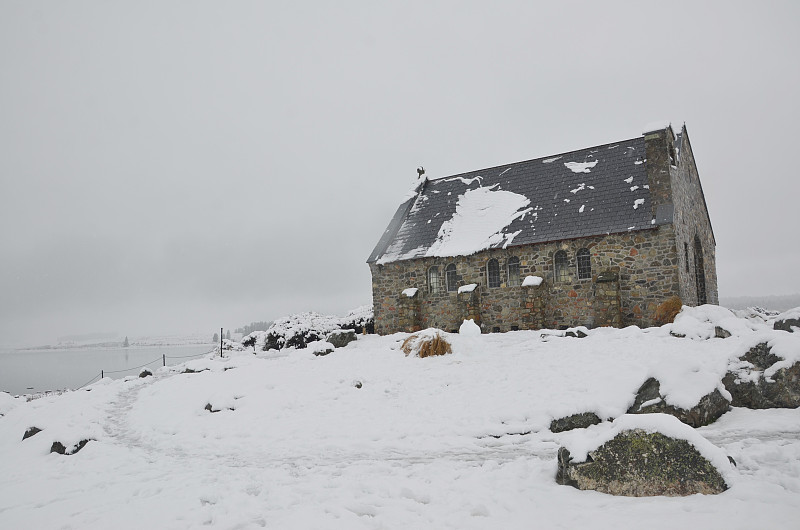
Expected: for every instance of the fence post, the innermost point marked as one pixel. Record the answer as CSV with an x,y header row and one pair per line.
x,y
220,342
101,374
163,359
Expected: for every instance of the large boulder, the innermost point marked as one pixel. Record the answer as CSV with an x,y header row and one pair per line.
x,y
643,461
754,381
708,409
341,337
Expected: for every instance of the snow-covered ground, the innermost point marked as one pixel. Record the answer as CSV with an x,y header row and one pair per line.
x,y
458,441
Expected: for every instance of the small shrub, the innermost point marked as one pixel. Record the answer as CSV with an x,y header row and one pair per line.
x,y
426,343
668,310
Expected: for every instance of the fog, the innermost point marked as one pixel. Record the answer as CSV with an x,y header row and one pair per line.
x,y
173,167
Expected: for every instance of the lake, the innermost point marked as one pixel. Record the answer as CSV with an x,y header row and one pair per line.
x,y
29,371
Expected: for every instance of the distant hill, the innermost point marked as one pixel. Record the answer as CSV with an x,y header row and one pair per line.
x,y
774,302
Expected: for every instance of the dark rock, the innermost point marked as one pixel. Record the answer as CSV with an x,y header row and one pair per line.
x,y
357,384
640,464
59,448
721,333
707,411
787,324
575,421
145,373
190,371
321,352
341,338
31,432
211,408
750,388
576,333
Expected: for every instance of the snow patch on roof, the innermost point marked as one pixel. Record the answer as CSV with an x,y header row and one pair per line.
x,y
479,220
466,181
550,160
581,167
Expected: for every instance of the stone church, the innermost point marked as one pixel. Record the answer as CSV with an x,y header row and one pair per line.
x,y
596,237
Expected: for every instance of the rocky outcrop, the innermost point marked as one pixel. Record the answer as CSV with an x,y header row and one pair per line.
x,y
341,338
753,384
637,463
575,421
61,449
31,431
787,324
708,409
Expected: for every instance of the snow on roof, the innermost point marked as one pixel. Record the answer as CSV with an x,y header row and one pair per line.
x,y
522,203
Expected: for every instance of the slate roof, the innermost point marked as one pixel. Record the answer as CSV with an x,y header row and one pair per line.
x,y
607,195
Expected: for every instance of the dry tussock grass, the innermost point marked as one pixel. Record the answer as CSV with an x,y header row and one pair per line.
x,y
666,312
426,345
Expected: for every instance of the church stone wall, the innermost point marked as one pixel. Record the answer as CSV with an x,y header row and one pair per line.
x,y
644,262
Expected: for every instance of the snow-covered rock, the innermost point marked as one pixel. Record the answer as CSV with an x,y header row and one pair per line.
x,y
640,456
707,410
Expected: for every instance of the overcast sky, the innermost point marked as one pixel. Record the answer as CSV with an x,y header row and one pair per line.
x,y
171,167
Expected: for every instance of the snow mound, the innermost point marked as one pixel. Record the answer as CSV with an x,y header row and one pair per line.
x,y
7,402
469,328
700,322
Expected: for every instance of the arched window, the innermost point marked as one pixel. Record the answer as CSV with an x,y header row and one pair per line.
x,y
434,281
584,264
450,277
493,273
513,271
699,272
562,272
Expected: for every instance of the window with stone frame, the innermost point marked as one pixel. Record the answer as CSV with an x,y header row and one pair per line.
x,y
686,254
561,266
513,271
434,281
493,273
584,259
450,278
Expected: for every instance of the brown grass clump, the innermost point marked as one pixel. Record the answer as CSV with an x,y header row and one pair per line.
x,y
666,312
426,344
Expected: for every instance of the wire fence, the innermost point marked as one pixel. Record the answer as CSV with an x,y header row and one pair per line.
x,y
162,359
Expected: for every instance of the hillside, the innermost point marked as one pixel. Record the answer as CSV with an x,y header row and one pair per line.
x,y
284,439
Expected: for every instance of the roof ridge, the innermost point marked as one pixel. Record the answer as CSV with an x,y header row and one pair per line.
x,y
434,180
